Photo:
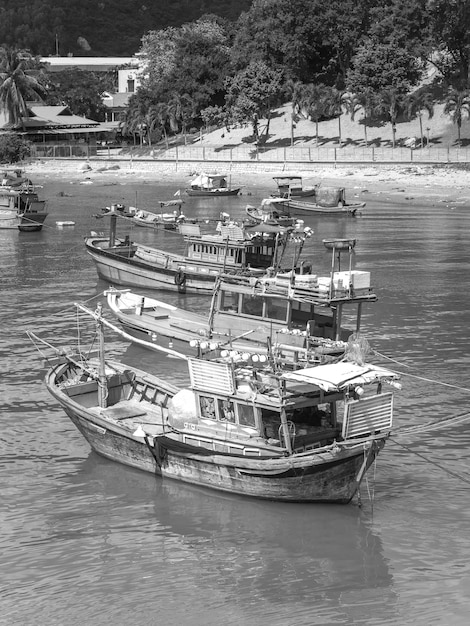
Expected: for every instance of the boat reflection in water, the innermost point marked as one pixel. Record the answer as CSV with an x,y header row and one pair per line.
x,y
235,550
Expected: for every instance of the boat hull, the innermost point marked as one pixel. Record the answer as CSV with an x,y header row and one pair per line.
x,y
279,479
129,271
10,220
216,193
303,207
180,445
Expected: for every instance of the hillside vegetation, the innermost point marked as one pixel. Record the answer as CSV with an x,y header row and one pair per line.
x,y
99,27
442,132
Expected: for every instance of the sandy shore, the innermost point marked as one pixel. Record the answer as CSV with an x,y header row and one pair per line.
x,y
442,183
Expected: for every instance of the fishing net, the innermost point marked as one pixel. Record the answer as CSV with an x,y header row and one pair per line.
x,y
357,350
329,196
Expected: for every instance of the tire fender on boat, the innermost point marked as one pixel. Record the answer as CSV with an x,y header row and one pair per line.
x,y
180,281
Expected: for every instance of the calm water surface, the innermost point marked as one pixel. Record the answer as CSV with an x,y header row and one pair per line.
x,y
86,541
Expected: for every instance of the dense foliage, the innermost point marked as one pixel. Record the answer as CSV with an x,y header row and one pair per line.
x,y
98,27
234,64
13,149
80,90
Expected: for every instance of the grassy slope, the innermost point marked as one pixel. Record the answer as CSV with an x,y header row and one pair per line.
x,y
442,133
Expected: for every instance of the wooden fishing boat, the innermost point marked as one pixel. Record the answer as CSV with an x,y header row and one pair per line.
x,y
119,209
21,209
307,435
270,211
296,317
15,179
292,187
157,221
231,248
211,185
328,200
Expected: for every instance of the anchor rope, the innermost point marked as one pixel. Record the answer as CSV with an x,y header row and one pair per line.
x,y
428,460
423,378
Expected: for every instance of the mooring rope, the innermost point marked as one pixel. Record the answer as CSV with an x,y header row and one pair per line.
x,y
428,460
423,378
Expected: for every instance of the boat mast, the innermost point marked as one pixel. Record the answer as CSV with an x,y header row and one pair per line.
x,y
102,380
112,228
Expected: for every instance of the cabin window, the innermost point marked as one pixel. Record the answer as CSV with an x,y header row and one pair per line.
x,y
246,415
207,406
271,424
226,411
228,301
276,309
252,305
301,313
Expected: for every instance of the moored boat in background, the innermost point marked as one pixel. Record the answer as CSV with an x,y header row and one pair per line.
x,y
295,316
328,200
292,187
21,208
211,185
231,248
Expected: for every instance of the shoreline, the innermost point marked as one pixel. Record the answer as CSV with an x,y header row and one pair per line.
x,y
445,183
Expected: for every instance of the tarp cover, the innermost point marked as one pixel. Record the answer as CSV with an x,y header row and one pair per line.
x,y
329,196
335,376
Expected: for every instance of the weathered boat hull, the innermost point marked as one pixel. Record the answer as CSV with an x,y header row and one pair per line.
x,y
118,269
189,434
304,207
277,479
23,223
332,481
216,193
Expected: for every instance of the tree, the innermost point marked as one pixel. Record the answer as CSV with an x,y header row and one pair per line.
x,y
457,105
13,148
380,66
313,104
294,89
251,95
344,24
19,81
360,102
80,90
335,100
450,29
188,64
284,34
390,101
418,102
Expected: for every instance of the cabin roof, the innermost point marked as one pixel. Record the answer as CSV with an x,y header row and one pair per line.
x,y
337,376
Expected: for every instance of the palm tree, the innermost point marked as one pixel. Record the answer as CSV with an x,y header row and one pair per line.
x,y
335,102
18,83
295,90
457,104
418,102
180,110
162,117
312,104
360,102
390,103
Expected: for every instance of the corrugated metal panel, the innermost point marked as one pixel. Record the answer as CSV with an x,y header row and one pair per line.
x,y
210,376
369,415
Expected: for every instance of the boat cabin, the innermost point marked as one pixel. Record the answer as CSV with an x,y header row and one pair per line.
x,y
272,306
209,181
255,412
289,185
292,187
232,248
